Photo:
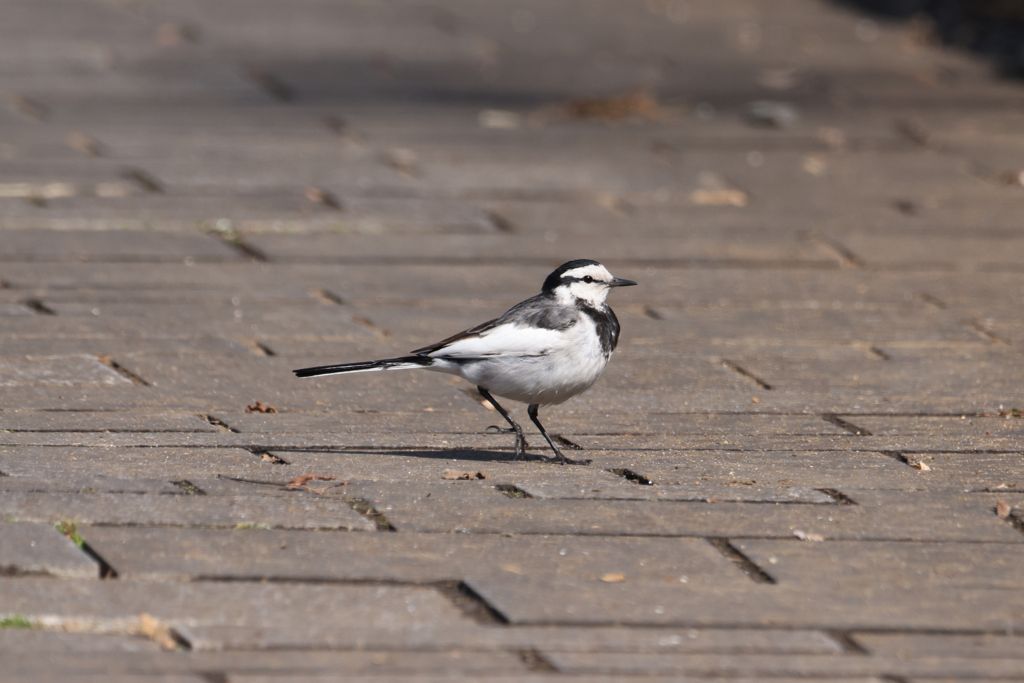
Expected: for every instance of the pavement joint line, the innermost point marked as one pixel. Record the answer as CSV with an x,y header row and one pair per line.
x,y
367,509
121,370
257,348
839,497
738,558
221,425
27,107
536,662
652,313
325,296
846,256
105,570
892,678
265,455
746,374
987,334
499,222
189,488
1014,519
933,301
275,88
469,602
789,538
832,418
513,491
630,475
878,353
38,306
847,642
144,180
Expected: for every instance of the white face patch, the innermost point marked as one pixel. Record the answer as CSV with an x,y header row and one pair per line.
x,y
593,293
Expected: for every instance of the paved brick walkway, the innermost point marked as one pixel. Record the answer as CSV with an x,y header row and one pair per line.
x,y
807,452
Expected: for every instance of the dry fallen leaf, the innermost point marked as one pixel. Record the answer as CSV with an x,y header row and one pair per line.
x,y
723,197
918,465
157,632
638,104
322,196
301,481
456,475
1003,510
613,577
260,408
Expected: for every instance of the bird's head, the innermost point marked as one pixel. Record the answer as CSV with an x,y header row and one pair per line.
x,y
582,280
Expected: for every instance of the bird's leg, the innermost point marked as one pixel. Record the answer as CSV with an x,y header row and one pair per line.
x,y
520,439
532,412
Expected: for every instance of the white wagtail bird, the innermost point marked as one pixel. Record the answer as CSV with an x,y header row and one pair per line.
x,y
541,352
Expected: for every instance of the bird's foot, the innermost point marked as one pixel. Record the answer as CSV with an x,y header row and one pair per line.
x,y
562,460
521,443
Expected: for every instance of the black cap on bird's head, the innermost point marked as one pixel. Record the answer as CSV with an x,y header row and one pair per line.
x,y
583,269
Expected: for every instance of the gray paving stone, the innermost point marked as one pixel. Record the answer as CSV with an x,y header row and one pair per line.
x,y
937,253
569,422
36,640
878,515
34,245
906,565
407,557
22,421
909,645
59,463
301,511
175,667
505,248
562,639
40,549
532,678
63,371
88,485
746,665
523,600
116,605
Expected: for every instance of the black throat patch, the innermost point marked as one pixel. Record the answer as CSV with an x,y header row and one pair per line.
x,y
607,326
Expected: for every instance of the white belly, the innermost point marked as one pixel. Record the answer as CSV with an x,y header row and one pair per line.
x,y
546,379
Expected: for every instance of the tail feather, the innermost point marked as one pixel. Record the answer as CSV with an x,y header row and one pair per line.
x,y
403,363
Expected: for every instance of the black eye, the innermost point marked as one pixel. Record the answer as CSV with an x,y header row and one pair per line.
x,y
587,278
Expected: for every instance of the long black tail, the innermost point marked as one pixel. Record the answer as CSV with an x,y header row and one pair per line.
x,y
404,363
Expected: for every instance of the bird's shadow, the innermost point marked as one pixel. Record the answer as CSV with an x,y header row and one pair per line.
x,y
443,454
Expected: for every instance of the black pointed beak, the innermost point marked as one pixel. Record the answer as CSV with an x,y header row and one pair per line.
x,y
619,282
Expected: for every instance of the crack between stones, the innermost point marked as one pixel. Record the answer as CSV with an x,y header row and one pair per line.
x,y
847,258
38,306
632,476
746,565
366,508
221,425
843,424
121,370
325,296
846,641
272,85
257,348
143,180
746,374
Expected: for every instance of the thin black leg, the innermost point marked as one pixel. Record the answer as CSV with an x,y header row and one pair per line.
x,y
532,412
520,439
